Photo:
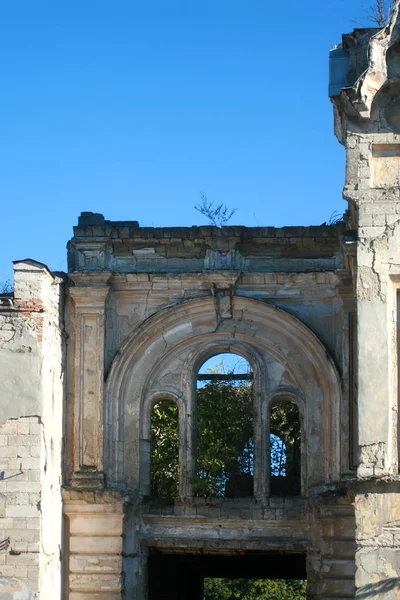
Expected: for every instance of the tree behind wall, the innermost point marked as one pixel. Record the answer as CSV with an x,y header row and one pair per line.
x,y
164,480
225,444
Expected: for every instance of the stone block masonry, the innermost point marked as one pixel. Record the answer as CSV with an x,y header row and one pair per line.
x,y
93,565
85,358
31,394
21,442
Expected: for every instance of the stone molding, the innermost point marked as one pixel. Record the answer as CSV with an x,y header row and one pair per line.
x,y
181,338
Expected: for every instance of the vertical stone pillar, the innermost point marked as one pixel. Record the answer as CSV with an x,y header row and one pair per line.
x,y
89,296
330,556
93,560
376,401
375,206
367,123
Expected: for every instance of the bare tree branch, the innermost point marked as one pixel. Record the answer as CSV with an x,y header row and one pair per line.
x,y
6,286
217,216
379,13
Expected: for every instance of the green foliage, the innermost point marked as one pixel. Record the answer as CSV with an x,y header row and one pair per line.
x,y
225,443
225,455
164,478
285,429
254,589
285,422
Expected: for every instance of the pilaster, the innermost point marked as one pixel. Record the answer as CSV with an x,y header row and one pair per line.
x,y
89,295
378,265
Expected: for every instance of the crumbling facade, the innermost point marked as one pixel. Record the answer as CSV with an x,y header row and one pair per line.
x,y
32,363
85,357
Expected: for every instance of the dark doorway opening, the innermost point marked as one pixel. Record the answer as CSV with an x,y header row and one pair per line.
x,y
181,576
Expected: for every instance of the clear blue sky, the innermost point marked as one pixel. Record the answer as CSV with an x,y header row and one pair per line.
x,y
131,108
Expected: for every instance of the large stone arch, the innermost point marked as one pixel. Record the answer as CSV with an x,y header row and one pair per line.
x,y
161,358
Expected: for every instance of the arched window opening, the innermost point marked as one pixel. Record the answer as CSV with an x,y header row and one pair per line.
x,y
224,427
285,449
164,470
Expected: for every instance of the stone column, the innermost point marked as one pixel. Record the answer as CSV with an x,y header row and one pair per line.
x,y
376,399
376,214
92,555
89,296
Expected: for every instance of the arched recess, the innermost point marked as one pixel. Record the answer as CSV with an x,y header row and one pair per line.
x,y
162,357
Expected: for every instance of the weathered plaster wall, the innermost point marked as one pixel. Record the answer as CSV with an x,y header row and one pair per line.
x,y
31,398
367,123
311,297
378,544
372,143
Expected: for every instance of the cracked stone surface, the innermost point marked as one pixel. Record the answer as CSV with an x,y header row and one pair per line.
x,y
84,357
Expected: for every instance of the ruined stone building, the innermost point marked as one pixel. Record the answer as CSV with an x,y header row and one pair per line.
x,y
86,356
